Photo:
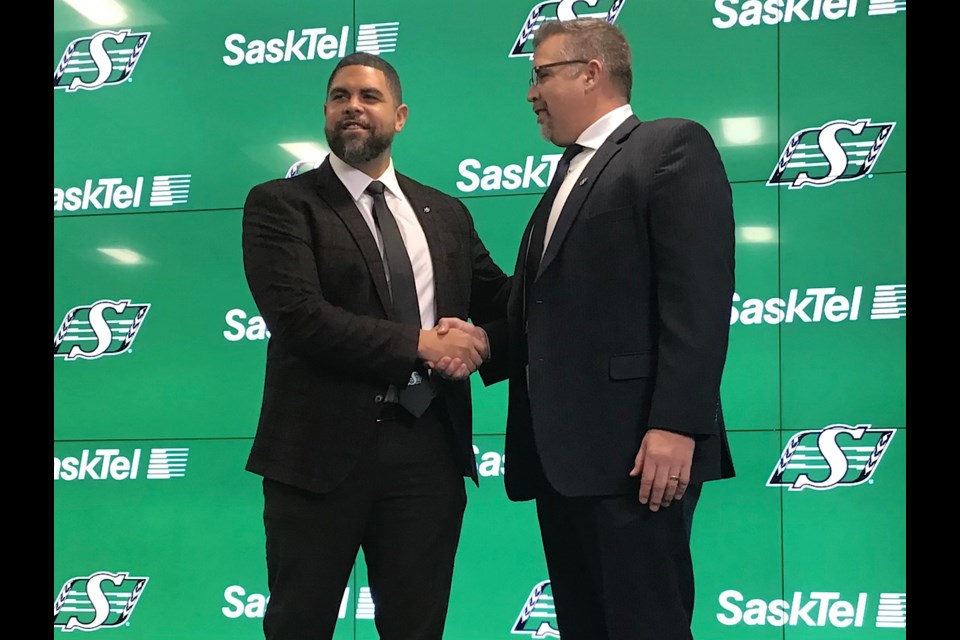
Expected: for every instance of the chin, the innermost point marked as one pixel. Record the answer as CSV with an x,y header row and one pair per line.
x,y
546,132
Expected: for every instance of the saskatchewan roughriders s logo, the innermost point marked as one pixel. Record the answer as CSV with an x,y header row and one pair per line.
x,y
104,328
538,618
560,10
103,59
97,601
837,151
837,455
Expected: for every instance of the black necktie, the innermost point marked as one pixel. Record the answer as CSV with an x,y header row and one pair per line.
x,y
418,393
542,214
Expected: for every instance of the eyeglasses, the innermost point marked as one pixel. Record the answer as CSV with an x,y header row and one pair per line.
x,y
535,73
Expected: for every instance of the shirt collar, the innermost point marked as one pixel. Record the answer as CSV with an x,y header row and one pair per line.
x,y
595,135
357,181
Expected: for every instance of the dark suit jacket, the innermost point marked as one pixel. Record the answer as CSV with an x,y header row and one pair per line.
x,y
628,319
317,278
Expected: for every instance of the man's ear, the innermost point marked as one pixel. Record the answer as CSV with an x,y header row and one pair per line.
x,y
401,115
592,73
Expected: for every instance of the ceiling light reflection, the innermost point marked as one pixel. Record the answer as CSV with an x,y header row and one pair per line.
x,y
742,131
309,155
102,12
123,256
757,234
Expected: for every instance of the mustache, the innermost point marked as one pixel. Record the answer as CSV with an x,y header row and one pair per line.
x,y
343,124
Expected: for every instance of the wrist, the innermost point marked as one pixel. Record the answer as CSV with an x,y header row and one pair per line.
x,y
423,344
486,343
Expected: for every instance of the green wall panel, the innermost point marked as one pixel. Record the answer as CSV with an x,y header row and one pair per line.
x,y
845,535
843,249
181,376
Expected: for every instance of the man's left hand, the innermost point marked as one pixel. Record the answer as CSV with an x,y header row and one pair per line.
x,y
663,464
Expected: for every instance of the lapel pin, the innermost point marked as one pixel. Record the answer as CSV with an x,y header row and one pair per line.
x,y
583,181
426,209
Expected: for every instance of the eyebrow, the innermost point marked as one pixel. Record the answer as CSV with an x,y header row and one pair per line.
x,y
362,90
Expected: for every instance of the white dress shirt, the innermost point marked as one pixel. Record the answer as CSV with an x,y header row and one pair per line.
x,y
414,239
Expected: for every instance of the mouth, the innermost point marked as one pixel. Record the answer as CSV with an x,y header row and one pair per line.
x,y
352,125
541,113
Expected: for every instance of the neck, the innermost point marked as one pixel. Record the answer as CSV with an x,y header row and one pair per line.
x,y
375,168
603,107
594,111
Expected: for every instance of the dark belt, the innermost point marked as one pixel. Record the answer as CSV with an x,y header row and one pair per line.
x,y
393,412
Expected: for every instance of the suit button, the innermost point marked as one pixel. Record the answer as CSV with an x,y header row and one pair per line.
x,y
539,301
378,399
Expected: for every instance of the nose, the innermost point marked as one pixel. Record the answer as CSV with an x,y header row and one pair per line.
x,y
533,93
353,106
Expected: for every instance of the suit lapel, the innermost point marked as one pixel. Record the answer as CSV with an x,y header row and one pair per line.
x,y
425,211
338,198
578,195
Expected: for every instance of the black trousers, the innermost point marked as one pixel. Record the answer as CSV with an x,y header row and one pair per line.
x,y
619,571
403,505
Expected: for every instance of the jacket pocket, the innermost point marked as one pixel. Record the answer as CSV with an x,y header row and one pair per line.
x,y
627,366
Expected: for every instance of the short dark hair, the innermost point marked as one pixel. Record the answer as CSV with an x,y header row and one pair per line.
x,y
593,38
370,60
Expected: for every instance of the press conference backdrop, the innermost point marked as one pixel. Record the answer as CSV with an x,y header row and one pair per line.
x,y
166,112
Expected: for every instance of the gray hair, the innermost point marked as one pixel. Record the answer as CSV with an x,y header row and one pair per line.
x,y
593,38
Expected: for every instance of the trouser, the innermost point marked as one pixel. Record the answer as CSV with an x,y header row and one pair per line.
x,y
402,504
619,571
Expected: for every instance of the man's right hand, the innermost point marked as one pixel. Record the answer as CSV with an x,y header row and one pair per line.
x,y
454,368
452,345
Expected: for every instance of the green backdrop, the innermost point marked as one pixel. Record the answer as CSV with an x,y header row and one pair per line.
x,y
166,112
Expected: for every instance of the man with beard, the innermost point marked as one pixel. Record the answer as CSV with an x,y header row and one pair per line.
x,y
359,446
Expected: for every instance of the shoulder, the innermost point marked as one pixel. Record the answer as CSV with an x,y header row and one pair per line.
x,y
301,186
287,185
668,127
674,128
669,135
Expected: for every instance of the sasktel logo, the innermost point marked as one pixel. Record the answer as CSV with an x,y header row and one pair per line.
x,y
163,463
313,43
104,328
113,193
538,616
533,172
104,59
244,326
817,304
560,10
837,455
751,13
838,151
241,604
816,609
98,601
490,464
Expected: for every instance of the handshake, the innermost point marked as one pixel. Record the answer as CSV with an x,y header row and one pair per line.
x,y
454,348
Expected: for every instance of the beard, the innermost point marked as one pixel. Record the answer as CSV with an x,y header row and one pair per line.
x,y
357,148
546,131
